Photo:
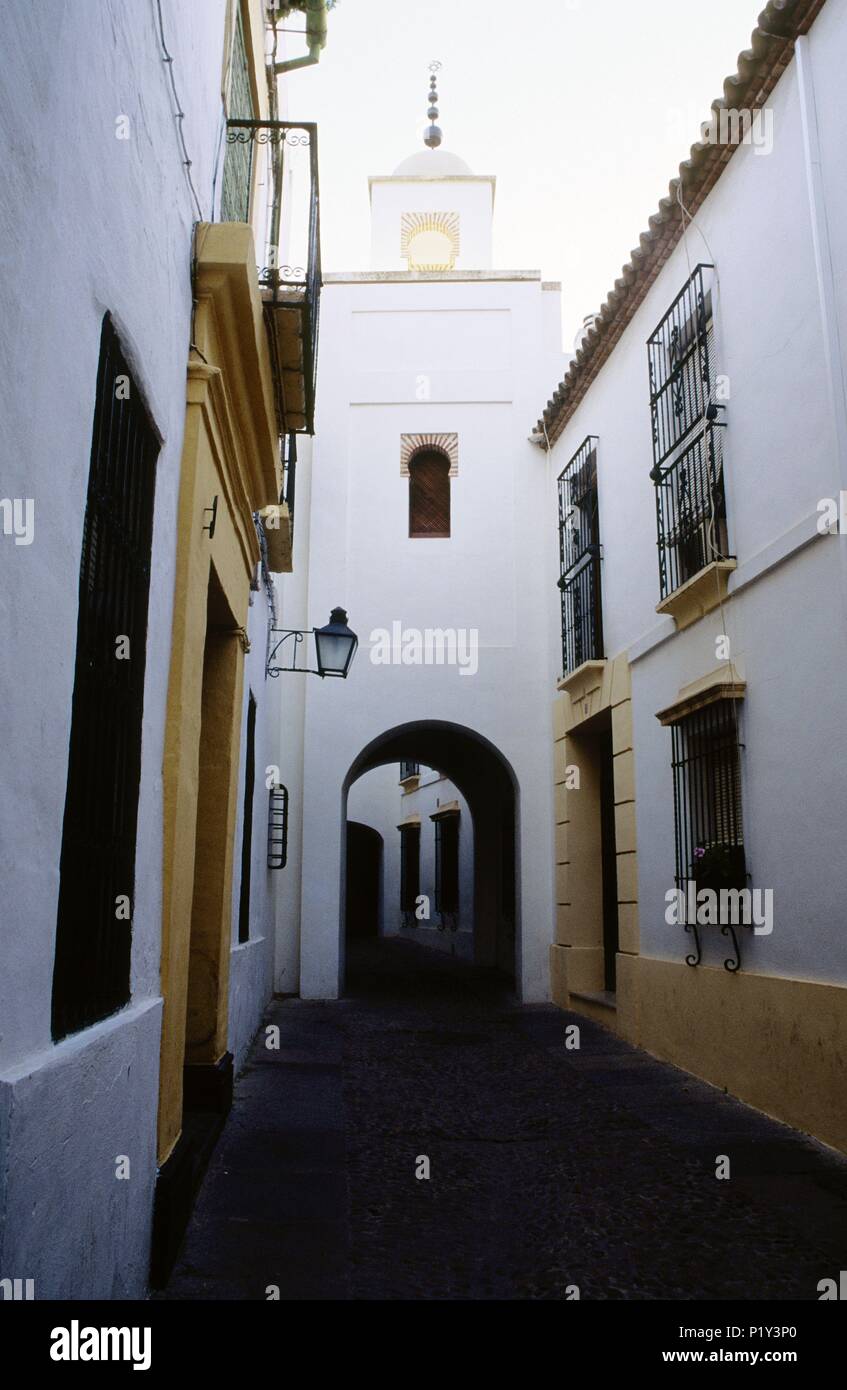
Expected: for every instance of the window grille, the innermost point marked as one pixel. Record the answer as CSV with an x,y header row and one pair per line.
x,y
91,975
409,769
707,804
687,437
278,827
447,868
410,871
429,495
579,559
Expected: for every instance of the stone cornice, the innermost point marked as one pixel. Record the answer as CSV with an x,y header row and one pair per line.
x,y
230,334
207,390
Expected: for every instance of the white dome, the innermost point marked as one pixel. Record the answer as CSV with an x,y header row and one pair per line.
x,y
434,164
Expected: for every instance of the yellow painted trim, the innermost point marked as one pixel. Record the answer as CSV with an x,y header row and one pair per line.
x,y
230,333
778,1044
594,688
229,451
579,683
591,688
759,1037
723,684
409,821
449,808
700,595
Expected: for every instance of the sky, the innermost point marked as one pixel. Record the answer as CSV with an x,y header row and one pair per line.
x,y
582,108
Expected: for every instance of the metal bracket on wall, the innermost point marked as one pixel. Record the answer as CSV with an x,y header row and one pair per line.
x,y
214,518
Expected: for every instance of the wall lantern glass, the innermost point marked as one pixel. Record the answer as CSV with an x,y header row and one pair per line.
x,y
335,647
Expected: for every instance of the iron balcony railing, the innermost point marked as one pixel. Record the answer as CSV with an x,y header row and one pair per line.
x,y
687,446
290,278
579,559
691,510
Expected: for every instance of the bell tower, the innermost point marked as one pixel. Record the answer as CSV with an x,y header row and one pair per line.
x,y
433,214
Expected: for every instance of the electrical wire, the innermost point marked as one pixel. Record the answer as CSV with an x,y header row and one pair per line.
x,y
179,114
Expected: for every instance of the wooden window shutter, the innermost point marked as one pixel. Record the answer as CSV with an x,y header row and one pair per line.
x,y
429,495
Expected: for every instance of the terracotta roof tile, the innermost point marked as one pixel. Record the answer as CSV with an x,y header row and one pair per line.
x,y
759,69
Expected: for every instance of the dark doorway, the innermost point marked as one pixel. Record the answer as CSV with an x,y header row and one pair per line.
x,y
608,851
364,882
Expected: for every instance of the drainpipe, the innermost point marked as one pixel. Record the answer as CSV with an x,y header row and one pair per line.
x,y
315,12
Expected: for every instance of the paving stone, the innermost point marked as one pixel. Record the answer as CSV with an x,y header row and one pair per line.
x,y
548,1167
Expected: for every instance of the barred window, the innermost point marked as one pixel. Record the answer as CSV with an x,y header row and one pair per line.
x,y
687,437
91,974
410,867
277,826
429,495
707,797
447,864
409,769
579,559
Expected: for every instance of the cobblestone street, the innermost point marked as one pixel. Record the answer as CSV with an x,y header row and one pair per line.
x,y
549,1167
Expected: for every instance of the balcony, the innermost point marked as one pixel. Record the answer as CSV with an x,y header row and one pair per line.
x,y
290,276
694,561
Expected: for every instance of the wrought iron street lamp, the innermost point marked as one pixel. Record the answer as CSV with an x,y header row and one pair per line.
x,y
335,647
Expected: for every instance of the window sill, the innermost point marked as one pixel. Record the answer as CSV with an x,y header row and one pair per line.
x,y
698,596
587,677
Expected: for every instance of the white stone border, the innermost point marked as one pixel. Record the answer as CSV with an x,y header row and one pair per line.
x,y
411,444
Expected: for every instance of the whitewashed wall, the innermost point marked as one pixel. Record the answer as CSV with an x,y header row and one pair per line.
x,y
472,199
94,224
480,345
251,961
783,453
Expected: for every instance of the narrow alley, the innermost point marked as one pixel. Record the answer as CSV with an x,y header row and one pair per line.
x,y
552,1168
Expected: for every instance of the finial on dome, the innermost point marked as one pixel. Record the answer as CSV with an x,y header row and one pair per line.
x,y
432,135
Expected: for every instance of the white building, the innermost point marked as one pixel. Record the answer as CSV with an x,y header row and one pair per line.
x,y
428,505
702,706
135,965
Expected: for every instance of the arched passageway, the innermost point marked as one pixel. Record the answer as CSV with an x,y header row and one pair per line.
x,y
488,785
